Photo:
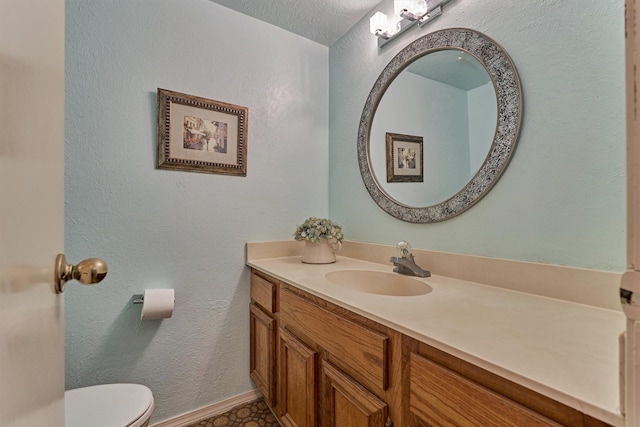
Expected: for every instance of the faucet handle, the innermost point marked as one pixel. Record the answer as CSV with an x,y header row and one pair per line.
x,y
405,249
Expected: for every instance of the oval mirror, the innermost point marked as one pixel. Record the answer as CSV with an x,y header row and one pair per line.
x,y
439,126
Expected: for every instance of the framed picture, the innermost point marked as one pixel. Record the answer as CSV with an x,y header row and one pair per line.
x,y
201,135
404,158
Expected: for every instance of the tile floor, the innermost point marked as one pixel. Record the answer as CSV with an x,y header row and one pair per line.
x,y
252,414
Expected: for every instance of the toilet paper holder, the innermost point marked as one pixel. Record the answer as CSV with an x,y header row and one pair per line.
x,y
156,304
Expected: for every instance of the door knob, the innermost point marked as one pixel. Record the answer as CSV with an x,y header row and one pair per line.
x,y
88,272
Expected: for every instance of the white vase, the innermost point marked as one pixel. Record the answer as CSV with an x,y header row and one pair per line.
x,y
319,252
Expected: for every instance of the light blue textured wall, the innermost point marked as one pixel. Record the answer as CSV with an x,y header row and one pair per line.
x,y
562,199
182,230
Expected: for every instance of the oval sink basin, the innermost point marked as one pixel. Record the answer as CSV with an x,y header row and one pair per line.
x,y
379,282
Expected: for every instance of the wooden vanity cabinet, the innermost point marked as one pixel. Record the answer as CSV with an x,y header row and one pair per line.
x,y
320,365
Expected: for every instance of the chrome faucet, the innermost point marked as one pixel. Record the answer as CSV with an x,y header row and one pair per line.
x,y
406,264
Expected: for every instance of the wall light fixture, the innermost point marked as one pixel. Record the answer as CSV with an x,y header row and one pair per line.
x,y
408,13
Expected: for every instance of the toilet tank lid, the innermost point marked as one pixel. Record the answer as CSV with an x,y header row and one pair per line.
x,y
106,405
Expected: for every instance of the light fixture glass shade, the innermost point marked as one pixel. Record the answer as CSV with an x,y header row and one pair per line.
x,y
415,7
378,23
400,5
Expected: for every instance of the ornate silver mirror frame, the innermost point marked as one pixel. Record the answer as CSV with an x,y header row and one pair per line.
x,y
506,83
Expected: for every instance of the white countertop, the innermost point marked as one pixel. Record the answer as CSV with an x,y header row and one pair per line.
x,y
563,350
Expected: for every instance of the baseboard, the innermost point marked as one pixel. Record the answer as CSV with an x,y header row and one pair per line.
x,y
209,411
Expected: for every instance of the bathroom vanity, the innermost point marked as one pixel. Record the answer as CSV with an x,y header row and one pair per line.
x,y
461,353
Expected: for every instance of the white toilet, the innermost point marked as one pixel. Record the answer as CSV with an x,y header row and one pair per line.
x,y
108,405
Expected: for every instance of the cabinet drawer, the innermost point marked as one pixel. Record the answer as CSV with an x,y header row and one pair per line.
x,y
441,397
263,292
359,351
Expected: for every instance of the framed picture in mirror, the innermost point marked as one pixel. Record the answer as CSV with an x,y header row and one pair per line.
x,y
404,158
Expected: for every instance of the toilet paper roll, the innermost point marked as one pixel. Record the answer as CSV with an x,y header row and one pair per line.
x,y
157,304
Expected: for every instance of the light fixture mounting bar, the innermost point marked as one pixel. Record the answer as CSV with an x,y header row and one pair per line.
x,y
404,25
430,16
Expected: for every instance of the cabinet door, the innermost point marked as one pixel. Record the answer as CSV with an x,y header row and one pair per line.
x,y
349,404
298,382
439,397
262,353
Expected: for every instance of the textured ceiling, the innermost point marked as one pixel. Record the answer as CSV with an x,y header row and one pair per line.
x,y
323,21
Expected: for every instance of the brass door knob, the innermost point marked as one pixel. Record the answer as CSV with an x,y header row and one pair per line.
x,y
88,272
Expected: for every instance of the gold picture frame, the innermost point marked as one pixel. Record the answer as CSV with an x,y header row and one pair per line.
x,y
404,158
201,135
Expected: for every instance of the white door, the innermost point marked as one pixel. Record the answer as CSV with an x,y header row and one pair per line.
x,y
631,279
31,212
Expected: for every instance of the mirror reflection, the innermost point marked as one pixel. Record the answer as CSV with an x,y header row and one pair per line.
x,y
440,125
447,99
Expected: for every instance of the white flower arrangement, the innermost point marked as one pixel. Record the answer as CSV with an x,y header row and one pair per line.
x,y
314,229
